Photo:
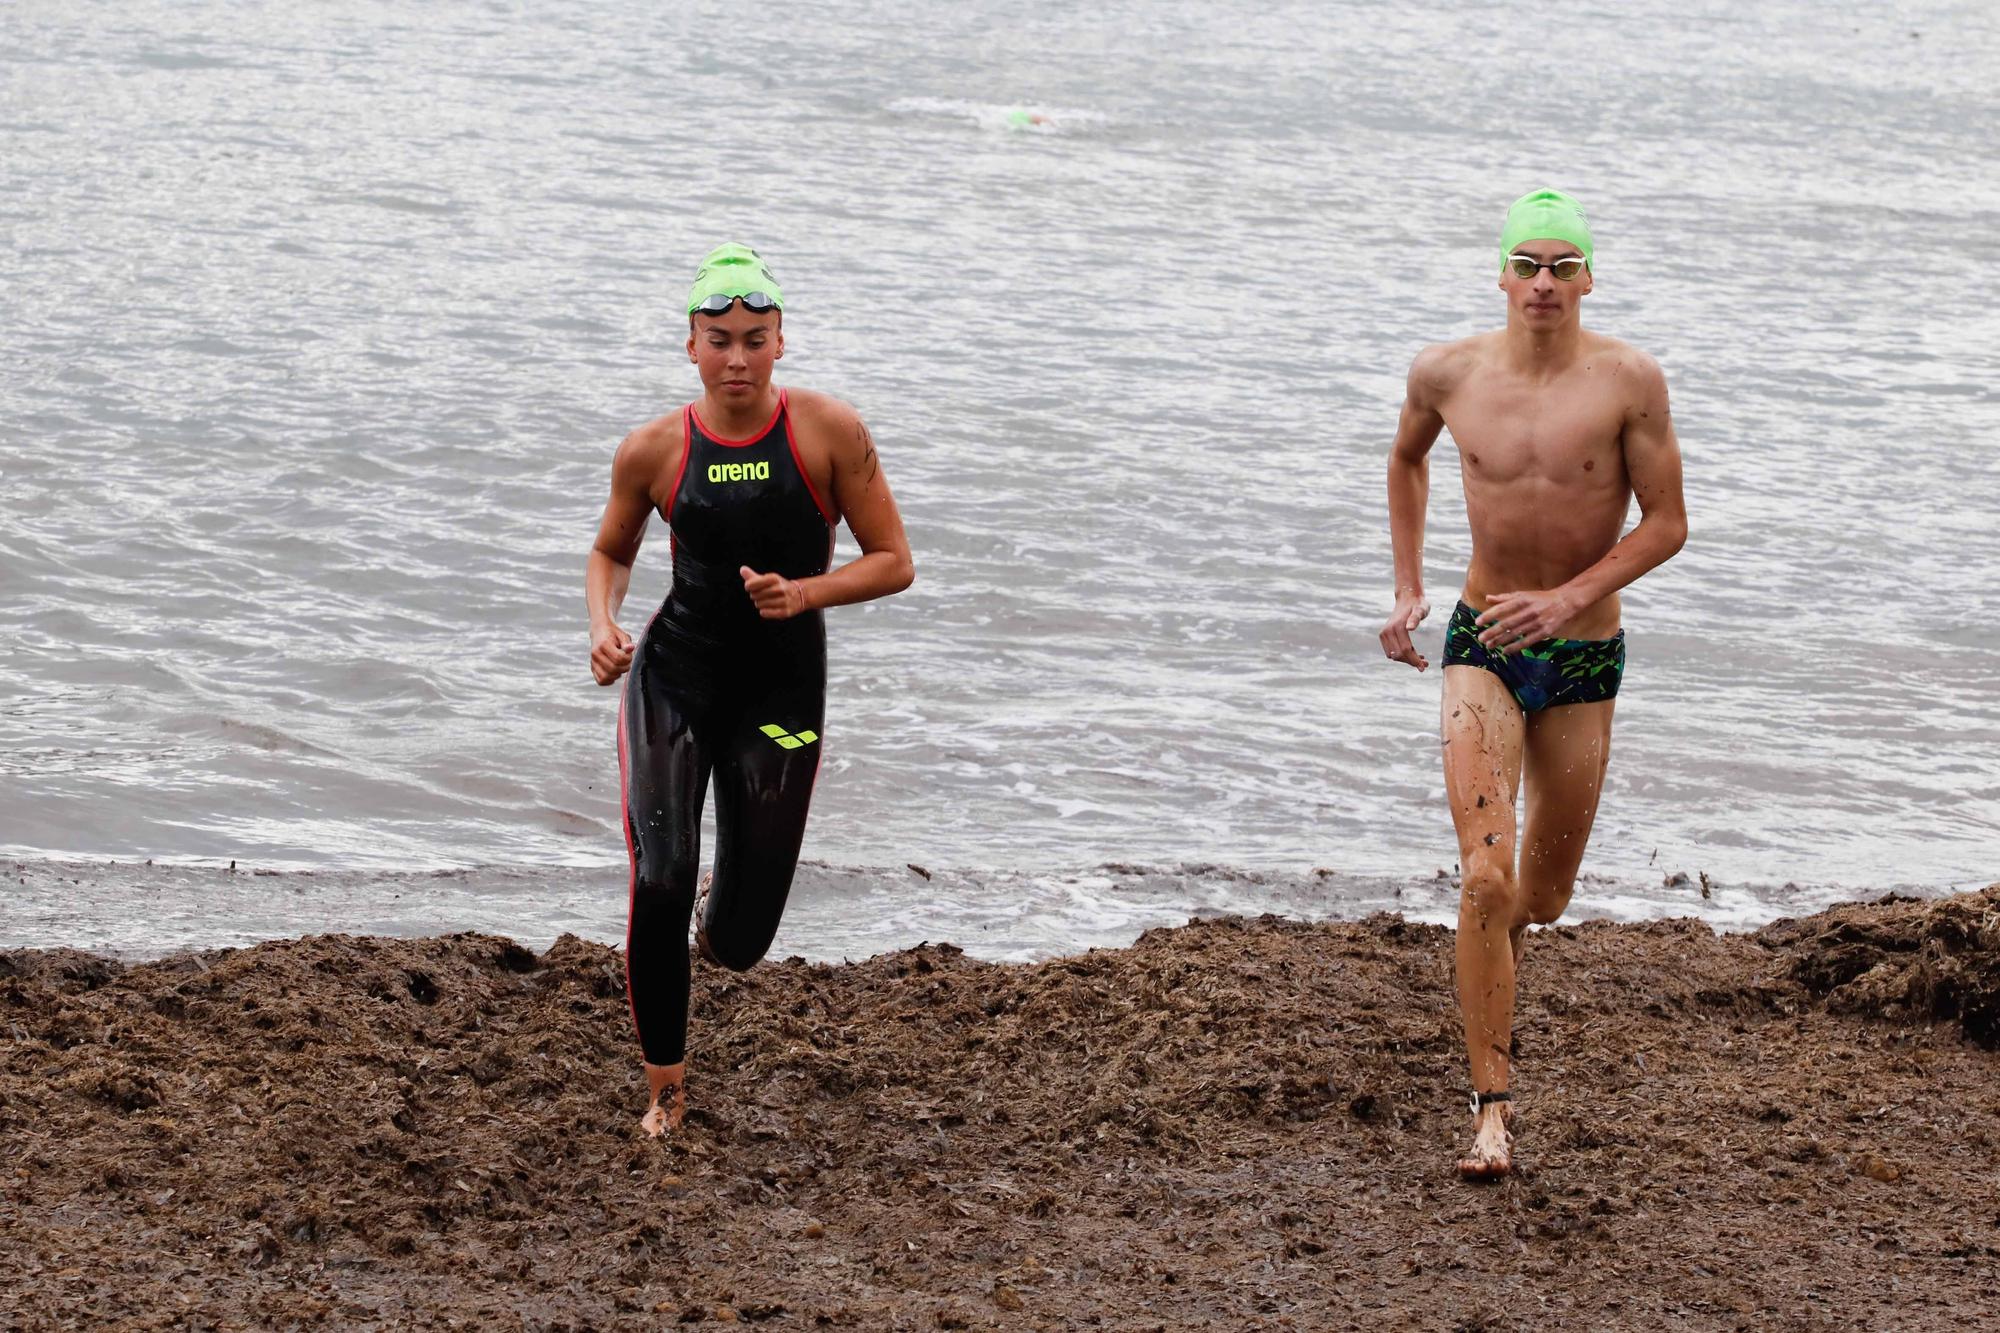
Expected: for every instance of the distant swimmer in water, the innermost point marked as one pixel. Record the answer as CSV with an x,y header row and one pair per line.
x,y
1557,430
729,678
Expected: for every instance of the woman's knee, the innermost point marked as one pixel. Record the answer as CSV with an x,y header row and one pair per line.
x,y
664,898
736,955
737,945
737,933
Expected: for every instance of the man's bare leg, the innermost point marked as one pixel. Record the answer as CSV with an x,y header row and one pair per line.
x,y
668,1085
1482,730
1567,749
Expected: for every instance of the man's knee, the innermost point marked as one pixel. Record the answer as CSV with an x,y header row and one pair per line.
x,y
1490,890
1547,883
1548,909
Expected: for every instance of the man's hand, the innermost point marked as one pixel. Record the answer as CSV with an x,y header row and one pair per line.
x,y
610,653
1411,608
776,597
1513,620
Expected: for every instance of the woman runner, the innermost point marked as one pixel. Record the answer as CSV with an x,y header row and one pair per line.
x,y
730,676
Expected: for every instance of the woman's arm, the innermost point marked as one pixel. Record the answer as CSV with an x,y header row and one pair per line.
x,y
860,494
609,571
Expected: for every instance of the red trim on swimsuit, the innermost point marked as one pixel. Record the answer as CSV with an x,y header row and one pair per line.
x,y
687,449
632,861
740,444
825,512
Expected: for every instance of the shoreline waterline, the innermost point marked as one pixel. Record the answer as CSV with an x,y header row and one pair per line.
x,y
138,911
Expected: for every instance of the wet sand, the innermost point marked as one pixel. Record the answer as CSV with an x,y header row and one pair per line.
x,y
1234,1124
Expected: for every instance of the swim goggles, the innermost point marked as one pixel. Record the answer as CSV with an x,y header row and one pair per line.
x,y
718,303
1527,266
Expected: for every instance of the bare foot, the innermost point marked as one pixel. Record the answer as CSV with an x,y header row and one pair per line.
x,y
1492,1147
669,1086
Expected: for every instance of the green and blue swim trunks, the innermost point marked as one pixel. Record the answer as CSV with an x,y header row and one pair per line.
x,y
1541,675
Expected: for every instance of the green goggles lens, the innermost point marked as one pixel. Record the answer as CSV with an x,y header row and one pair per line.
x,y
1566,268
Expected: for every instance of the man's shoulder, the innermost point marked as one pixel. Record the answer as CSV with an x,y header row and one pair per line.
x,y
1622,355
1439,367
1639,382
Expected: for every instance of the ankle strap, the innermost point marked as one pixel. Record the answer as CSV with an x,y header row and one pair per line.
x,y
1480,1099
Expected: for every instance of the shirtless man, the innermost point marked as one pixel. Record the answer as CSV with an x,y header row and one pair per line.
x,y
1557,430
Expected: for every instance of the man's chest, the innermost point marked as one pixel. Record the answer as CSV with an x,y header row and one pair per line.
x,y
1507,429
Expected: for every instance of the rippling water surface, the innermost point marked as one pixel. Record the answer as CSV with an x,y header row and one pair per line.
x,y
318,327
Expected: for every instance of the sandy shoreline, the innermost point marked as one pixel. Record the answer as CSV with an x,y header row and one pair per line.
x,y
1236,1124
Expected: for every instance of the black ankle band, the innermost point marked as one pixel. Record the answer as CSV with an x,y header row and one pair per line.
x,y
1480,1099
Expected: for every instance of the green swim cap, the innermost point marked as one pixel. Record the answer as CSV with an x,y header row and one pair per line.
x,y
732,270
1546,215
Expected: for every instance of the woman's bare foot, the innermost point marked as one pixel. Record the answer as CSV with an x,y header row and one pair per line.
x,y
669,1085
1492,1146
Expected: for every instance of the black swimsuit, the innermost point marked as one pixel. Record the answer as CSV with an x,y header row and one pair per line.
x,y
714,687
